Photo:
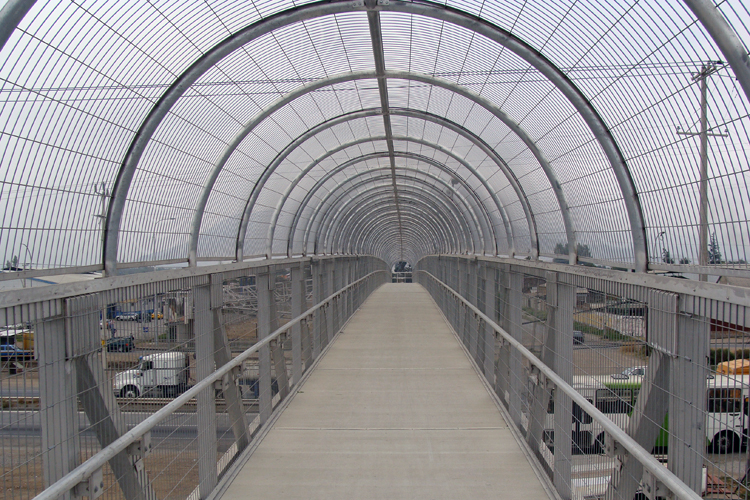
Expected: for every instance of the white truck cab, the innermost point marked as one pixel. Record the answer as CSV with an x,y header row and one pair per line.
x,y
163,374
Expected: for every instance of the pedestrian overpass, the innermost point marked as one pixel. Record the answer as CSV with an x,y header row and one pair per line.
x,y
374,248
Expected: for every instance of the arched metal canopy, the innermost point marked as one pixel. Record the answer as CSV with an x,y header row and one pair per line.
x,y
220,132
334,212
310,193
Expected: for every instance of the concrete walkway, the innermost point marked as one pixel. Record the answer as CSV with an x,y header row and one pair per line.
x,y
393,411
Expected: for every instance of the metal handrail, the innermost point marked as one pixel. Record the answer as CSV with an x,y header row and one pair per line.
x,y
90,466
672,482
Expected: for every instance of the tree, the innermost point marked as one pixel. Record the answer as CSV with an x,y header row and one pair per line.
x,y
582,250
714,254
666,256
684,260
12,264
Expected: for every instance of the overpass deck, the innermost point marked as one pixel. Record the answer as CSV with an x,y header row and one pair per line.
x,y
395,409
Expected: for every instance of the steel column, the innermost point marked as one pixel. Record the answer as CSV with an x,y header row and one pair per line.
x,y
205,365
265,288
58,407
561,301
297,277
222,356
687,401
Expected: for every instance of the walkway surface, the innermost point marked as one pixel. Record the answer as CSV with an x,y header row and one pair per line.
x,y
393,411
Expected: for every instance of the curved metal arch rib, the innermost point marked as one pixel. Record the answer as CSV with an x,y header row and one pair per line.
x,y
434,178
311,11
588,113
448,219
354,161
388,213
423,221
437,147
388,222
324,230
438,219
170,97
449,206
725,37
379,243
391,254
419,224
386,233
458,129
402,75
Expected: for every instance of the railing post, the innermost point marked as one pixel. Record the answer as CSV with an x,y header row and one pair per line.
x,y
58,408
516,370
222,356
318,294
205,365
279,366
558,354
502,377
96,396
331,318
265,298
687,401
474,283
652,403
298,307
489,331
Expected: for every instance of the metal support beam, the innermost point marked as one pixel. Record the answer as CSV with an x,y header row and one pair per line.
x,y
298,307
489,331
95,394
311,192
473,195
318,295
206,400
726,38
350,220
265,286
58,407
645,422
376,35
687,401
515,378
561,300
222,356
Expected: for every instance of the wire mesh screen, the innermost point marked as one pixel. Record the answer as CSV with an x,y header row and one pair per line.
x,y
669,369
77,373
583,122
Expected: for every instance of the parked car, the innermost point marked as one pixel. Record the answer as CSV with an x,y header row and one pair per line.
x,y
578,337
157,316
120,344
635,370
128,316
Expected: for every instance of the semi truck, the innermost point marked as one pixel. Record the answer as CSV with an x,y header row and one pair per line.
x,y
163,374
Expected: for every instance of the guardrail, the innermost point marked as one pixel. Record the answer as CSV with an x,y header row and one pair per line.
x,y
461,312
335,309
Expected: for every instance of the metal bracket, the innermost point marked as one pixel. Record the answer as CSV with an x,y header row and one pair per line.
x,y
653,488
93,487
612,448
535,376
140,448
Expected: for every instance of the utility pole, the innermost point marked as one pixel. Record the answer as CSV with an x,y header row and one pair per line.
x,y
702,77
